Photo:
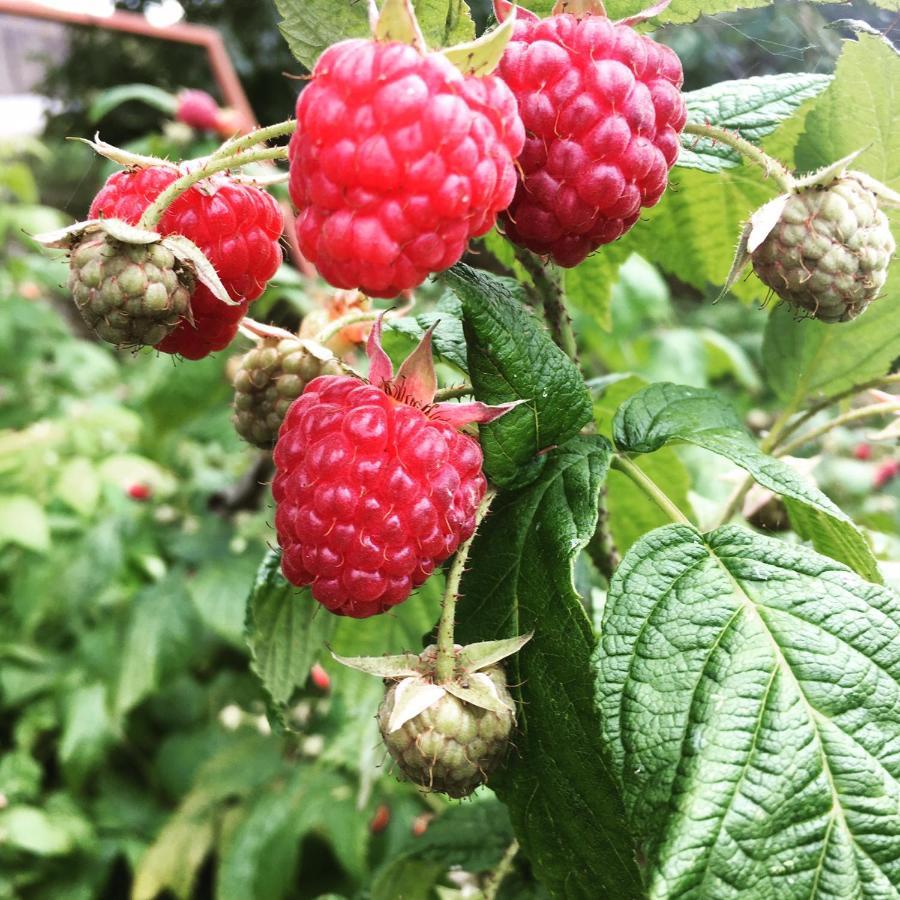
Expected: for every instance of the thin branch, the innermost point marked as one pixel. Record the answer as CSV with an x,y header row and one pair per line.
x,y
650,488
853,415
452,393
549,287
504,867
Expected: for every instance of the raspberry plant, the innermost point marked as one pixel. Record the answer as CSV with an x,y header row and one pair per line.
x,y
667,700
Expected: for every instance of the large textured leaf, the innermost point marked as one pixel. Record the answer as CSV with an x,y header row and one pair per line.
x,y
511,357
665,413
285,630
309,26
557,786
749,692
753,107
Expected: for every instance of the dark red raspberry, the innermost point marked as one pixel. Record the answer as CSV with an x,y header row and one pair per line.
x,y
602,110
398,159
374,484
235,225
197,109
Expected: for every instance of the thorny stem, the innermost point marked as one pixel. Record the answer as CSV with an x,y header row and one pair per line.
x,y
650,488
503,869
155,211
451,393
338,325
771,166
550,289
602,548
853,415
253,329
445,662
251,139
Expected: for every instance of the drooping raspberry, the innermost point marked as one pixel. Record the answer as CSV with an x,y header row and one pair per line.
x,y
829,252
374,485
398,159
270,377
197,109
235,225
602,109
131,295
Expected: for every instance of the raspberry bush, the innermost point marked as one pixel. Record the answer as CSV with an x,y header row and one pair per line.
x,y
625,556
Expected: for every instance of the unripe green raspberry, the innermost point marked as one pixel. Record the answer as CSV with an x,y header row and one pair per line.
x,y
268,380
129,294
829,252
452,746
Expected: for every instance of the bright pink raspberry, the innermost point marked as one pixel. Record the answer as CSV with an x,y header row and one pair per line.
x,y
374,485
603,110
197,109
398,159
238,228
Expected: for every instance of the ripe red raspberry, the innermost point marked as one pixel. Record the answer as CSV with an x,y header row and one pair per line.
x,y
602,110
374,484
398,159
197,109
235,225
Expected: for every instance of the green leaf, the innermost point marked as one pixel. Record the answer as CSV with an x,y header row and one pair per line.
x,y
448,340
805,358
753,107
23,522
309,26
748,691
161,635
87,732
589,286
55,829
78,485
511,357
286,629
219,592
668,413
557,785
153,96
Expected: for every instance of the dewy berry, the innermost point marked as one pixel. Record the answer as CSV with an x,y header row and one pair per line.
x,y
236,226
374,484
398,159
602,109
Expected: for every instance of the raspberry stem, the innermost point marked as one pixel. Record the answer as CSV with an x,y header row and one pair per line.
x,y
338,325
549,286
252,138
773,168
155,211
650,488
445,661
853,415
253,329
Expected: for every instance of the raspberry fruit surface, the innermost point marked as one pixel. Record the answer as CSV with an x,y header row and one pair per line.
x,y
131,295
602,109
197,109
452,746
270,377
398,159
829,252
236,226
374,485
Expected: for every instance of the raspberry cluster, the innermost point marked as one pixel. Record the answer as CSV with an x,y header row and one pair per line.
x,y
397,161
372,494
602,110
236,226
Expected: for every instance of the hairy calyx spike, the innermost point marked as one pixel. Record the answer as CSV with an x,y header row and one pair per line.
x,y
374,484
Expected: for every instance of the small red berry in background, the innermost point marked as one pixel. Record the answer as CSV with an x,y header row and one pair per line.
x,y
320,678
398,159
374,484
238,228
381,819
197,109
886,473
420,823
139,491
862,451
602,109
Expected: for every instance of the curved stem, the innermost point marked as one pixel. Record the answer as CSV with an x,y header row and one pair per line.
x,y
853,415
155,211
252,138
451,393
650,488
771,166
253,329
503,869
445,662
338,325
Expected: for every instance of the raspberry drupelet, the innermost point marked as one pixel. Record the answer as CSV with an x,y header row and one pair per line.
x,y
602,109
374,484
397,161
235,225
